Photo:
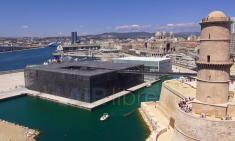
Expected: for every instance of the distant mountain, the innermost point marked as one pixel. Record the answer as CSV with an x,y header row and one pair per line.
x,y
134,35
186,34
116,35
110,35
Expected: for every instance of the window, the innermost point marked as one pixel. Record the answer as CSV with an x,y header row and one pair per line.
x,y
208,58
209,36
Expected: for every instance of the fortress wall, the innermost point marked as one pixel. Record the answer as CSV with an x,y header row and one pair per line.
x,y
168,100
192,128
210,109
231,110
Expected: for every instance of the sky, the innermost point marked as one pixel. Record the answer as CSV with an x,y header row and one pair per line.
x,y
60,17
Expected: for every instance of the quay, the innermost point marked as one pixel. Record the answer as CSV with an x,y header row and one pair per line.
x,y
11,80
13,86
158,125
13,93
157,114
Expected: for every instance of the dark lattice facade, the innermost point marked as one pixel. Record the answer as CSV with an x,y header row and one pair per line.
x,y
83,81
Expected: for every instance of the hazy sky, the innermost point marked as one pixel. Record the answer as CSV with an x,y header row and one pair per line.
x,y
60,17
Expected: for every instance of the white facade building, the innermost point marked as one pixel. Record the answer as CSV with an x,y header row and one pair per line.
x,y
151,64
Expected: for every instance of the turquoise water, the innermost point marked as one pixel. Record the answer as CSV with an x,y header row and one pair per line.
x,y
58,122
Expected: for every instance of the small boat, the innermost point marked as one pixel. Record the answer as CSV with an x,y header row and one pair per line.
x,y
148,85
45,63
104,117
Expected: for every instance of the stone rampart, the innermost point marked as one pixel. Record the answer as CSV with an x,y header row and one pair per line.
x,y
189,127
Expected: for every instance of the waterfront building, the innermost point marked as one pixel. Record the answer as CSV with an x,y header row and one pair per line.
x,y
80,47
151,64
76,48
86,81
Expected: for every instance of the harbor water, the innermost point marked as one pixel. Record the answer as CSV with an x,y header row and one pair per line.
x,y
20,59
57,122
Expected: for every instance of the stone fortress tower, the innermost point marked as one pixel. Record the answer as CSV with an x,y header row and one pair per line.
x,y
214,63
213,108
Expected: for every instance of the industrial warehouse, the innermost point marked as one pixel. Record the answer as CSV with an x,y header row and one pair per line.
x,y
87,81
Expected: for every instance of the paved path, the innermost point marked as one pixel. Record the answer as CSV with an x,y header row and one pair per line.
x,y
13,93
11,81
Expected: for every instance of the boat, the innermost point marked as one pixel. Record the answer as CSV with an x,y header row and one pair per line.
x,y
45,63
148,85
104,117
53,44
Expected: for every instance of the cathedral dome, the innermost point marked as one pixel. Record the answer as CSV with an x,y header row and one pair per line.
x,y
157,34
